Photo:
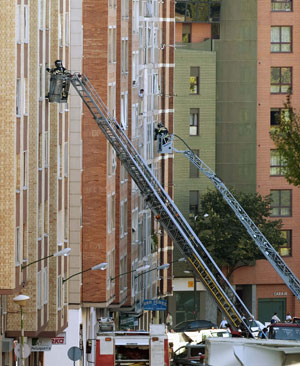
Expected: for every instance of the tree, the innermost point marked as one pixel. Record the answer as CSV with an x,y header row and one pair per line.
x,y
286,137
225,237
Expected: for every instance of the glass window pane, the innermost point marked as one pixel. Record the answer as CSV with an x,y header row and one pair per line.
x,y
275,75
285,34
285,88
285,212
275,47
275,89
275,211
275,34
275,198
285,48
286,75
286,198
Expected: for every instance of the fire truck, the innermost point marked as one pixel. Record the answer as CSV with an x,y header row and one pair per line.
x,y
132,348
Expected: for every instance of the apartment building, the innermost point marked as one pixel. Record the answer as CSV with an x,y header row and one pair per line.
x,y
34,173
121,47
255,61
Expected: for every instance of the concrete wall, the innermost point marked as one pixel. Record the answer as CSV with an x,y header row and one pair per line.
x,y
205,101
236,94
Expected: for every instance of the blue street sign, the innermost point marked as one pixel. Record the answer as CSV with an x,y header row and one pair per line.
x,y
155,305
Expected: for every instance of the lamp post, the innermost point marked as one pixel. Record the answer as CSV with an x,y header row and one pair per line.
x,y
101,266
21,301
195,293
60,253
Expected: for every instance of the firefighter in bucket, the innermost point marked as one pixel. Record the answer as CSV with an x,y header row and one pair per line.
x,y
59,83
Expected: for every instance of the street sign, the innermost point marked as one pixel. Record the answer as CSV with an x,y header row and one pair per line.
x,y
156,304
74,353
26,349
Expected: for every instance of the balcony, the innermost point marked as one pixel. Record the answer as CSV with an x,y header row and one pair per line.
x,y
198,11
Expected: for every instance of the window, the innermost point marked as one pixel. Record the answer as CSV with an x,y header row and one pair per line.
x,y
281,5
186,33
18,246
18,98
67,27
59,304
285,249
39,289
123,219
45,285
281,204
113,211
66,159
193,202
18,24
124,55
277,115
26,24
46,157
125,9
194,121
109,214
281,79
124,109
281,39
194,80
194,171
277,163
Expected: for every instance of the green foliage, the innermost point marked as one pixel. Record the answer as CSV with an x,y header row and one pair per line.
x,y
286,137
225,237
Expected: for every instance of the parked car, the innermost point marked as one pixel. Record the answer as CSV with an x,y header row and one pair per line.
x,y
192,325
191,354
285,331
256,326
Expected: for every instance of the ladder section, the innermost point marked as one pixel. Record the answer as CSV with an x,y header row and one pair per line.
x,y
164,208
260,240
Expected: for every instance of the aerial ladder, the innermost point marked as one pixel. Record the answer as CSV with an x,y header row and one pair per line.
x,y
164,208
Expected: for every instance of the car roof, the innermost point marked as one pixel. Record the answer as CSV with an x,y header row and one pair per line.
x,y
287,325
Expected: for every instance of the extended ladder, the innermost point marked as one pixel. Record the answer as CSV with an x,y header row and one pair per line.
x,y
260,240
164,208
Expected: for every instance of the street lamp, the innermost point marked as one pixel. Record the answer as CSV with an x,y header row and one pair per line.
x,y
21,301
60,253
139,269
101,266
162,266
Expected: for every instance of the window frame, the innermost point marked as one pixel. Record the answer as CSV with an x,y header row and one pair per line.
x,y
280,84
288,244
197,80
281,2
280,206
197,121
193,168
280,166
195,210
280,111
280,43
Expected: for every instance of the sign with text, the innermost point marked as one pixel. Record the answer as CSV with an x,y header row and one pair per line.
x,y
60,339
41,344
156,304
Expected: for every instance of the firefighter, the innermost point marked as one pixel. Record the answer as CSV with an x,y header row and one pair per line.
x,y
59,69
162,131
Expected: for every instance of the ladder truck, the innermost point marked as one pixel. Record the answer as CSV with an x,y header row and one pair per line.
x,y
163,207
